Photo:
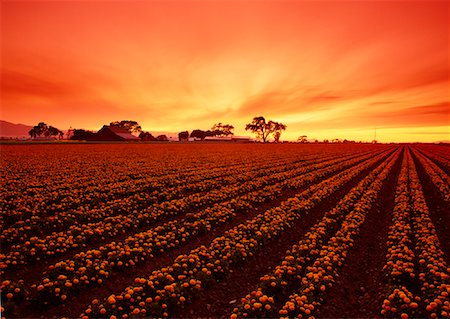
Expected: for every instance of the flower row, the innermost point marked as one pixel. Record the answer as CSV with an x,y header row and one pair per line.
x,y
169,288
300,267
85,234
434,273
442,158
437,176
94,267
399,269
418,277
74,188
129,198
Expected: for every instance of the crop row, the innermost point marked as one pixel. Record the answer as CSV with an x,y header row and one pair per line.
x,y
95,266
24,230
417,275
311,266
434,273
432,153
439,178
399,269
43,199
171,287
85,234
111,200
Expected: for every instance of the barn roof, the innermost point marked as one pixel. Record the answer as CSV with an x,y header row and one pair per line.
x,y
121,132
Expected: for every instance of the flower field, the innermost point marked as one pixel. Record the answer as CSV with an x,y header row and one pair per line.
x,y
225,230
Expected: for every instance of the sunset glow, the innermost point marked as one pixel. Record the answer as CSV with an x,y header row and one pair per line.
x,y
327,69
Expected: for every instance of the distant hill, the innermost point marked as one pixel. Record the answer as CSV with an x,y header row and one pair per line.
x,y
8,129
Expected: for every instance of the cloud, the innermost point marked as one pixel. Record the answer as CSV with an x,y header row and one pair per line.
x,y
18,84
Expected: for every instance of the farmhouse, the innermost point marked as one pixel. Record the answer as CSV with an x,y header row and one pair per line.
x,y
114,133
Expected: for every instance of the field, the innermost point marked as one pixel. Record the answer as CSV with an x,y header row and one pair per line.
x,y
187,231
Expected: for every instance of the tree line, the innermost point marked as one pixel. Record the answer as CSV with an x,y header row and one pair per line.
x,y
259,126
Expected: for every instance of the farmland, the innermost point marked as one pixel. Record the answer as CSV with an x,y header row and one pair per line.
x,y
290,230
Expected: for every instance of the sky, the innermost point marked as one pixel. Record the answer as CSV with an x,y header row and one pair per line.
x,y
326,69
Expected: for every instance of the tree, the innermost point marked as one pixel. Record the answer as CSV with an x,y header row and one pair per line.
x,y
264,129
220,129
53,131
146,136
199,134
82,135
131,126
32,133
44,129
302,139
183,136
38,130
162,138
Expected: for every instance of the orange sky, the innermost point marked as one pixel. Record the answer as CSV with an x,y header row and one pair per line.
x,y
327,69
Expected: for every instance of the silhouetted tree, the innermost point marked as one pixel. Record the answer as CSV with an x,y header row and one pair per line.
x,y
53,131
183,136
32,133
82,135
264,129
146,136
162,138
199,134
44,129
131,126
220,129
302,139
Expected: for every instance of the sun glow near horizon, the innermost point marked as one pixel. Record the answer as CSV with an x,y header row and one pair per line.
x,y
326,69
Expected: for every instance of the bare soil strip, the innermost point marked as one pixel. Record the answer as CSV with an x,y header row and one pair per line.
x,y
358,292
219,301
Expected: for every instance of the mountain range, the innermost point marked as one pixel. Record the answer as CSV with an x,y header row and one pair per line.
x,y
10,130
